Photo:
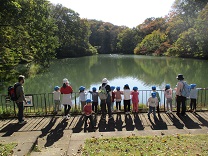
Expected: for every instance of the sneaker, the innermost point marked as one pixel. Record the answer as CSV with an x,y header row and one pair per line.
x,y
68,115
64,117
22,122
168,112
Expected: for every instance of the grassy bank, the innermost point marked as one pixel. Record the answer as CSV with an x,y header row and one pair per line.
x,y
154,145
7,149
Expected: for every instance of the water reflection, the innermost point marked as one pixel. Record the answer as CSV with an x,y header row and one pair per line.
x,y
140,71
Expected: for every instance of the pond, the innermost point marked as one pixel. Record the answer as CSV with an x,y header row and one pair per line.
x,y
140,71
134,70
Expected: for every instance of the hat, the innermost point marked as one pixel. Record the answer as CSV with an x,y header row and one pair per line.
x,y
81,88
153,88
167,86
21,76
105,80
118,88
88,101
135,88
153,94
112,88
93,88
180,77
56,88
193,86
65,80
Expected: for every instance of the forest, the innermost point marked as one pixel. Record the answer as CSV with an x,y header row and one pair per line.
x,y
34,32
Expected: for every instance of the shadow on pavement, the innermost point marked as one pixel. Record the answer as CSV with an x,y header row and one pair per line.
x,y
78,127
111,125
188,122
56,134
47,129
175,121
129,122
119,122
11,128
138,122
201,119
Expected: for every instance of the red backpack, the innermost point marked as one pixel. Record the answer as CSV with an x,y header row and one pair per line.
x,y
12,92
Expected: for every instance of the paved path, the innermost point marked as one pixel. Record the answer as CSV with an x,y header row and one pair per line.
x,y
55,136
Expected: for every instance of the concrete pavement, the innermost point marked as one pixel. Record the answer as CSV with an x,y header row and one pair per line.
x,y
55,136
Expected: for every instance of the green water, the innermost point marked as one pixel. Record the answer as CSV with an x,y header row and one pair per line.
x,y
140,71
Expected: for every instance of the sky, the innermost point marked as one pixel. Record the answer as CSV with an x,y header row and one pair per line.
x,y
119,12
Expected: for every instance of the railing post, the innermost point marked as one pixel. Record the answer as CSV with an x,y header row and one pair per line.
x,y
45,104
75,100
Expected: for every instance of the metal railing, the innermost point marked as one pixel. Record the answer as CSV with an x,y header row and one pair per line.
x,y
42,104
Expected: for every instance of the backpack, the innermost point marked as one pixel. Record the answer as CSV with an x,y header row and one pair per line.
x,y
12,92
102,93
186,90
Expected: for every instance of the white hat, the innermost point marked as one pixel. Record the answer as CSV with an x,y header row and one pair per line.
x,y
65,80
105,80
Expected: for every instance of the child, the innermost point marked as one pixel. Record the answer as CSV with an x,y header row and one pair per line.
x,y
118,99
127,98
135,99
193,97
66,91
112,98
158,97
169,99
82,97
152,103
88,114
56,98
94,99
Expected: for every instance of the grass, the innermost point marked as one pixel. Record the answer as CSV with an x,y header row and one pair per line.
x,y
7,149
155,145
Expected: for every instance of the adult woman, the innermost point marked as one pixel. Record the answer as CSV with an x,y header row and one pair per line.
x,y
66,90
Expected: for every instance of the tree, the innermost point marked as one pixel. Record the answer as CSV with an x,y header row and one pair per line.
x,y
127,41
151,43
73,33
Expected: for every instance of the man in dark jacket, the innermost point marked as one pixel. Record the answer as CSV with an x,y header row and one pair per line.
x,y
19,90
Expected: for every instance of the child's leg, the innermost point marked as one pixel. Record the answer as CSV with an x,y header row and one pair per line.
x,y
128,104
96,106
85,124
150,111
154,112
82,105
119,105
194,104
93,106
136,106
125,105
91,121
191,104
171,107
116,105
167,104
158,108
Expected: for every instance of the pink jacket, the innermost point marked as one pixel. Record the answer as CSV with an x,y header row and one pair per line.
x,y
135,96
